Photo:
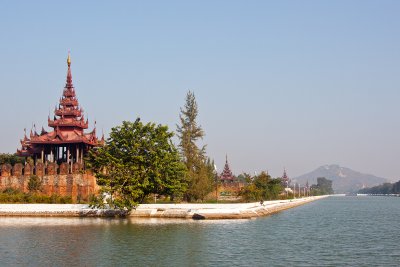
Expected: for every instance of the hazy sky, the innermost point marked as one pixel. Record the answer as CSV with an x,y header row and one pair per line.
x,y
293,84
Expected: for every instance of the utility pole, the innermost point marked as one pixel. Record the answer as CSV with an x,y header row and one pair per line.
x,y
216,187
299,191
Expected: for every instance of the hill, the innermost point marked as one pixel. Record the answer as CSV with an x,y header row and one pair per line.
x,y
345,180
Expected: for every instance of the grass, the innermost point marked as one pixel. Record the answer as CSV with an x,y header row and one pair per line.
x,y
11,195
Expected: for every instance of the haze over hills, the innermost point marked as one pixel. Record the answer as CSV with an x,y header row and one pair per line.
x,y
344,179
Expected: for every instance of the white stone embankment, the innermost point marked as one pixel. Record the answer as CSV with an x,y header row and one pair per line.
x,y
57,210
218,211
184,211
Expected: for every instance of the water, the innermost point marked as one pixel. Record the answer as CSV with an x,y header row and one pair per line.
x,y
337,231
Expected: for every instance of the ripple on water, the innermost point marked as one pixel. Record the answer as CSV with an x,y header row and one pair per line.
x,y
345,231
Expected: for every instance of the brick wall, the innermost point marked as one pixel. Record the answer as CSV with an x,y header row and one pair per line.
x,y
62,180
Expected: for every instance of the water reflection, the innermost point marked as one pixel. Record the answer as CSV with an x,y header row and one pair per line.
x,y
74,221
330,232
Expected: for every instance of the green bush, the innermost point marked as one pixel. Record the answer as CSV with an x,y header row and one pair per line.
x,y
10,159
11,195
11,190
261,187
34,184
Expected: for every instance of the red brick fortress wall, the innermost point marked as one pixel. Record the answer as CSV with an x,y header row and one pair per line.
x,y
62,180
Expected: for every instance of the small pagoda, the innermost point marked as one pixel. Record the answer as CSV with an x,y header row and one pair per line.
x,y
285,179
226,175
67,142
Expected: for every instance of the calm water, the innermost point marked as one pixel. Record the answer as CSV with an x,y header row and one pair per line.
x,y
337,231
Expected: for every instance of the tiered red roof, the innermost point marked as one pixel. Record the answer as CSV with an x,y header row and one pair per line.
x,y
226,174
68,124
285,179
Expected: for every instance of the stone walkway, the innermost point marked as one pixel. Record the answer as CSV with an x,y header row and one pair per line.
x,y
184,211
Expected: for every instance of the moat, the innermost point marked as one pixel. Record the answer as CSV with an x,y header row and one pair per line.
x,y
335,231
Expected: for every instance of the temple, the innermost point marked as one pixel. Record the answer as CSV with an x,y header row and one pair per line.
x,y
67,142
226,175
285,179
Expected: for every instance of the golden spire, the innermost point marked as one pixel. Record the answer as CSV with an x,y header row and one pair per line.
x,y
69,59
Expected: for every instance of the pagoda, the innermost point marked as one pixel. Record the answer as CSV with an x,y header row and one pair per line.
x,y
67,142
226,175
285,179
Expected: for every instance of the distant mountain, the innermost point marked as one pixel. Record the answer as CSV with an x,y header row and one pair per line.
x,y
344,179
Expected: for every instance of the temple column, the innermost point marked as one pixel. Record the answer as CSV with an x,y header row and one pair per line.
x,y
68,154
43,155
70,158
77,154
82,155
51,154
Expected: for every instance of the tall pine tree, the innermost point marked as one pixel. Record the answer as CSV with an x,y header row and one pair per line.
x,y
200,175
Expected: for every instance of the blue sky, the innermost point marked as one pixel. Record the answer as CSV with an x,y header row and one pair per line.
x,y
293,84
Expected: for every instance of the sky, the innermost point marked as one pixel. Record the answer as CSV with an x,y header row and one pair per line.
x,y
279,84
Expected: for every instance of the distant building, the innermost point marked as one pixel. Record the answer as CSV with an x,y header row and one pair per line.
x,y
226,175
229,186
285,179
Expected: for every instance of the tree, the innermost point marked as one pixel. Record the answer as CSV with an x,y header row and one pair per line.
x,y
202,182
200,176
323,187
34,184
136,161
189,132
385,188
261,187
396,188
10,159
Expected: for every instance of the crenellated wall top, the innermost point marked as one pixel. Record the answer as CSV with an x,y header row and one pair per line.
x,y
41,169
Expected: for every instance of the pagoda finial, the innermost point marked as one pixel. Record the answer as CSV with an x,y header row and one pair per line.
x,y
69,59
69,74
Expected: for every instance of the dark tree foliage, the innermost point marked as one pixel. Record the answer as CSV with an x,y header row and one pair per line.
x,y
261,187
10,159
34,184
241,178
138,160
386,188
323,187
396,188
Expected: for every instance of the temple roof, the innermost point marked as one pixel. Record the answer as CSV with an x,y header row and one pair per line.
x,y
284,176
285,179
61,137
68,123
226,174
68,114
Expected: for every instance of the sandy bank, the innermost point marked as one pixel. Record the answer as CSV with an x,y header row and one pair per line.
x,y
184,211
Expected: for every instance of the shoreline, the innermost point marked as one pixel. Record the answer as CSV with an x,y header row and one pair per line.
x,y
196,211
